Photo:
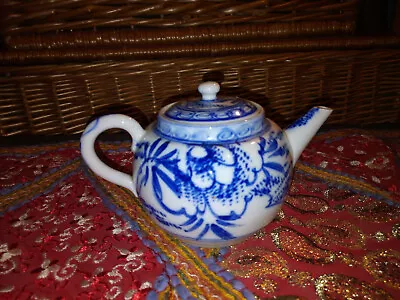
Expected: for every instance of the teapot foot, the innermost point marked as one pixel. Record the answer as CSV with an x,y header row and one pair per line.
x,y
211,243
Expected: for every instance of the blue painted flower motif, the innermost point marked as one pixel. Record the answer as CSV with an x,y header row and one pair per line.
x,y
275,174
159,164
217,181
208,166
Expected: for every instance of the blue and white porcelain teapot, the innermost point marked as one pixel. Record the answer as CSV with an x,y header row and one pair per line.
x,y
211,171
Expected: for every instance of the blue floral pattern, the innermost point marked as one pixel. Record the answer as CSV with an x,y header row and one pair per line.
x,y
304,119
206,111
211,182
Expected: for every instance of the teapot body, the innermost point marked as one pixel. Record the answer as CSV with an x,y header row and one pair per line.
x,y
211,171
209,194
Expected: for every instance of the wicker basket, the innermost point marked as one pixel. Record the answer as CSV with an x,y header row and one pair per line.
x,y
37,16
363,86
66,29
66,61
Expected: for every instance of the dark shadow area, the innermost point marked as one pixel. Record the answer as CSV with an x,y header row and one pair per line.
x,y
124,109
377,17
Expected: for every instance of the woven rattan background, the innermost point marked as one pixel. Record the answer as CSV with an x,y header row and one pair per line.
x,y
38,16
64,62
362,86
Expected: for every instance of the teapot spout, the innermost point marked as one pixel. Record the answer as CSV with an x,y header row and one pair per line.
x,y
303,130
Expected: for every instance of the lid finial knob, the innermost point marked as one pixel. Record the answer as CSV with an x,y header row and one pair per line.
x,y
209,90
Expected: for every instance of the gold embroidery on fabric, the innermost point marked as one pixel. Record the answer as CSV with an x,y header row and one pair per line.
x,y
300,247
267,285
384,265
339,208
280,216
337,286
211,252
348,259
260,234
396,230
301,278
256,262
342,233
307,204
295,221
337,194
380,236
374,211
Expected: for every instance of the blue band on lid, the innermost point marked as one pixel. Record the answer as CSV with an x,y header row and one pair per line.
x,y
211,119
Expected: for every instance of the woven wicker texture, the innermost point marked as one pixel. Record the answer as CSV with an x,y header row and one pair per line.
x,y
217,49
146,37
39,16
66,61
363,87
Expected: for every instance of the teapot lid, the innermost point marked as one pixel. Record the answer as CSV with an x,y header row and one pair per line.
x,y
211,119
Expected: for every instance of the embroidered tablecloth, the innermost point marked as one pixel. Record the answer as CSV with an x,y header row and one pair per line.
x,y
67,234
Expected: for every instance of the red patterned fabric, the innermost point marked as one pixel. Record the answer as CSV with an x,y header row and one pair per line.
x,y
67,234
65,243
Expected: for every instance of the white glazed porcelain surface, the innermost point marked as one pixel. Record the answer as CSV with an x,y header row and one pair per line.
x,y
213,193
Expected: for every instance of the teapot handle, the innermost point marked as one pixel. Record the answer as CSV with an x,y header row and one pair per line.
x,y
88,152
